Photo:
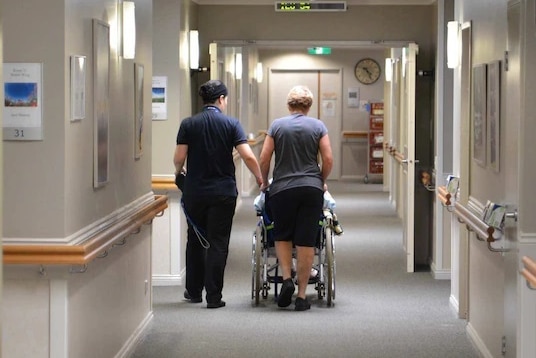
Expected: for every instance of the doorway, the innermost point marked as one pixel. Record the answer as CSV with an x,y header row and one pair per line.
x,y
326,88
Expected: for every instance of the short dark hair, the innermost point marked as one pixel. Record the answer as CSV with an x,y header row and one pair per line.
x,y
212,90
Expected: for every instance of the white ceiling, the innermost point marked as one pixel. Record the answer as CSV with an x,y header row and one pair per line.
x,y
348,2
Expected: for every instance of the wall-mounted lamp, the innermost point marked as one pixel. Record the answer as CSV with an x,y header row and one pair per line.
x,y
194,53
129,30
194,50
404,60
389,69
259,73
453,53
238,66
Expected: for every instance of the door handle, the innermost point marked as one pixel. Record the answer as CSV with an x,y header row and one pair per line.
x,y
406,161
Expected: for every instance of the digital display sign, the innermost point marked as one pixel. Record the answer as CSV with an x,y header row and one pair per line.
x,y
289,6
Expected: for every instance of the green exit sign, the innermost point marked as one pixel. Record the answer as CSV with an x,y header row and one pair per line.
x,y
319,50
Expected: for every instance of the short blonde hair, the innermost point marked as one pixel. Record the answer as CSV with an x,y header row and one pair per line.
x,y
300,97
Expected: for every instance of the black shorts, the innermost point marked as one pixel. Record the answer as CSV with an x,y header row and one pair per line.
x,y
296,213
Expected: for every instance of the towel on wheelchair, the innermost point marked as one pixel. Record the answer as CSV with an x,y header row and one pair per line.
x,y
329,203
260,201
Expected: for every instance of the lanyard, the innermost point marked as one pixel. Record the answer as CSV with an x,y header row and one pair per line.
x,y
211,108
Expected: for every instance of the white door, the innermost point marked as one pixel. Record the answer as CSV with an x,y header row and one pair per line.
x,y
326,88
408,142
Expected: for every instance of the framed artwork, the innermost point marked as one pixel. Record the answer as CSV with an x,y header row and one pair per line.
x,y
78,87
101,95
479,117
159,98
494,114
138,112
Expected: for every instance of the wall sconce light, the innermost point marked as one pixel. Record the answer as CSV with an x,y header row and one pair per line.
x,y
453,53
389,69
129,30
259,72
194,53
194,50
404,61
238,66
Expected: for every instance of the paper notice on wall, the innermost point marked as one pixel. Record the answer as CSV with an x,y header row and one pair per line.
x,y
159,98
353,97
328,108
329,104
364,106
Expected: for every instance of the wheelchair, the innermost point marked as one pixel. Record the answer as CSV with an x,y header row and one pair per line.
x,y
265,266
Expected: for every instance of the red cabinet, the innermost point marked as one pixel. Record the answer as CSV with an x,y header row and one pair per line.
x,y
375,140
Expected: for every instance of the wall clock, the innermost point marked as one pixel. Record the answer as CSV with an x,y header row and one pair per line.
x,y
367,71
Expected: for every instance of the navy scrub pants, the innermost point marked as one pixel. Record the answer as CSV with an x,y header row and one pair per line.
x,y
205,267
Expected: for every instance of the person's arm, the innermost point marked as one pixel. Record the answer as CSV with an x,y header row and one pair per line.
x,y
327,158
181,151
265,159
249,158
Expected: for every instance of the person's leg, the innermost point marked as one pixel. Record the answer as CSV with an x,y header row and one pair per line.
x,y
283,250
219,224
307,226
283,211
305,256
195,253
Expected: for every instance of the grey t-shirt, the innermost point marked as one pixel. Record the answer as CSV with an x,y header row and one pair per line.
x,y
296,143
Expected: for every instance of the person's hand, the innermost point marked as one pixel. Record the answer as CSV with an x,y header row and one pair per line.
x,y
325,187
264,186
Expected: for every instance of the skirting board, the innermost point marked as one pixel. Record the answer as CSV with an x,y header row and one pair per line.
x,y
440,274
129,346
477,342
167,280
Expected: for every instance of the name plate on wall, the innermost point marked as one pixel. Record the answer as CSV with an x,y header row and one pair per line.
x,y
22,101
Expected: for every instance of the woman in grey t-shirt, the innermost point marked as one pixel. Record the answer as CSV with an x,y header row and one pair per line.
x,y
297,188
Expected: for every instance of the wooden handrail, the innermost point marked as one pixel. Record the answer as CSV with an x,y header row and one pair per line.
x,y
354,134
258,140
474,223
163,184
529,272
443,195
87,251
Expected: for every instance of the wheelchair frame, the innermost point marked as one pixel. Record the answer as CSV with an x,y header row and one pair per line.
x,y
265,264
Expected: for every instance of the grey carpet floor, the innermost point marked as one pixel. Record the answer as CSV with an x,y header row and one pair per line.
x,y
380,310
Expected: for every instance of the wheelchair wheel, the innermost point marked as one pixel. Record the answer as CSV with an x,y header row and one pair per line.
x,y
330,261
256,266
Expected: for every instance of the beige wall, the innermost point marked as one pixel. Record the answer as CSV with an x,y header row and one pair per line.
x,y
1,157
49,184
48,188
170,58
486,269
497,297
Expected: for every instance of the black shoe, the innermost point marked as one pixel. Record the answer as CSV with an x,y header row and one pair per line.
x,y
216,304
302,304
192,299
285,295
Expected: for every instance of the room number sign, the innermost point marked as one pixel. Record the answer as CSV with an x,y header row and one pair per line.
x,y
22,118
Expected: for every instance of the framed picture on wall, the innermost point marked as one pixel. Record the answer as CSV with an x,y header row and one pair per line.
x,y
101,105
479,117
494,114
78,87
138,111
